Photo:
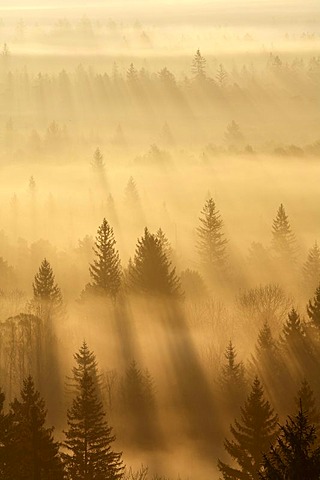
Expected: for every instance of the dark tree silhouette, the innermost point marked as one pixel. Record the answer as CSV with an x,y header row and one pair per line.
x,y
165,244
6,460
253,434
267,361
105,270
33,450
232,379
295,455
305,397
47,296
151,271
138,405
89,438
283,240
211,240
85,361
313,309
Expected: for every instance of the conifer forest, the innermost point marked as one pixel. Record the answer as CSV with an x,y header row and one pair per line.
x,y
159,240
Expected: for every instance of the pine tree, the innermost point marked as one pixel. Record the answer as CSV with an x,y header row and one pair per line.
x,y
151,271
295,455
311,268
293,328
33,449
132,198
222,76
283,240
138,405
313,309
267,363
88,438
199,66
305,397
253,434
232,379
105,270
211,241
97,161
47,296
164,242
298,348
85,362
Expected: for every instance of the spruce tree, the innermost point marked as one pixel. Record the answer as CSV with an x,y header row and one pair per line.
x,y
105,270
283,240
97,161
232,379
211,240
253,434
46,293
89,438
311,268
85,361
298,349
151,272
293,329
266,362
138,405
313,309
199,66
164,242
295,456
305,397
33,450
132,198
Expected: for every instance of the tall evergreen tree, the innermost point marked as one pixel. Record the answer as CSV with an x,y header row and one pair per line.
x,y
199,66
164,242
267,359
283,240
132,198
89,438
298,350
46,293
293,330
33,450
151,271
311,268
44,286
85,361
97,161
295,455
211,240
253,434
313,309
105,270
305,397
232,379
138,405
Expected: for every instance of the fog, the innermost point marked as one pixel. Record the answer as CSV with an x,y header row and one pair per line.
x,y
159,207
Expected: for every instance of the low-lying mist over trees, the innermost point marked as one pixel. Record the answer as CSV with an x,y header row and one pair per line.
x,y
159,241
